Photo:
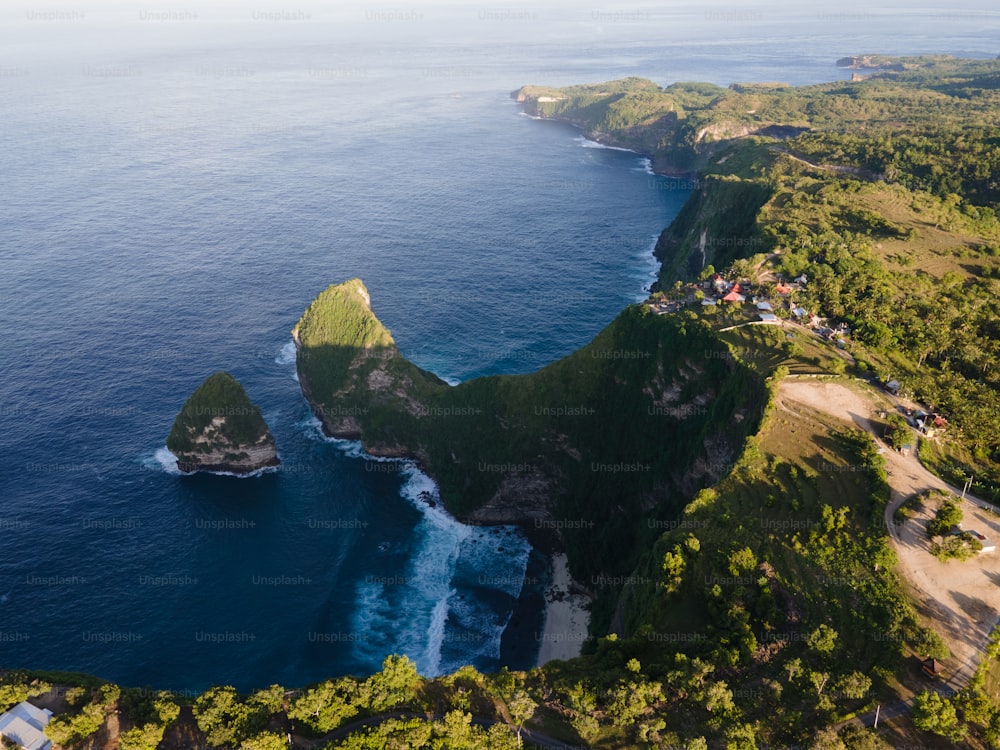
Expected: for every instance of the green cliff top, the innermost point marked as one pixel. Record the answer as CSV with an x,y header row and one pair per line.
x,y
342,316
220,399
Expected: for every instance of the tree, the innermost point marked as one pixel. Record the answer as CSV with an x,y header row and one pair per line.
x,y
862,738
146,737
521,708
265,741
741,737
948,515
396,683
827,739
823,639
227,721
719,698
586,726
15,688
854,686
326,706
957,546
932,713
742,560
673,569
819,680
897,431
928,643
65,730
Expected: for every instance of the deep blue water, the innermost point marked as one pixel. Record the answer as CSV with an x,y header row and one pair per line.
x,y
174,196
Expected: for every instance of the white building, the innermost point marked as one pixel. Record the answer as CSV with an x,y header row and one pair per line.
x,y
25,725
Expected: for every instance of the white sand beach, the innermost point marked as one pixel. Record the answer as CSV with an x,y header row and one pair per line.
x,y
566,616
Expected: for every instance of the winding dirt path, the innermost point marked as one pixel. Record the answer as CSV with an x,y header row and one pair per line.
x,y
961,600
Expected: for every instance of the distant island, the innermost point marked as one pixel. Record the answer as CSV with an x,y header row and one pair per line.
x,y
220,430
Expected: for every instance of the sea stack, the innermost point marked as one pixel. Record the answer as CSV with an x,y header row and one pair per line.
x,y
220,429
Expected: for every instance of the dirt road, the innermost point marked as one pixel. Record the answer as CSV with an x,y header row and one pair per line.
x,y
961,600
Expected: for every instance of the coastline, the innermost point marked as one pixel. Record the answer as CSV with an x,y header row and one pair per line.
x,y
567,615
654,166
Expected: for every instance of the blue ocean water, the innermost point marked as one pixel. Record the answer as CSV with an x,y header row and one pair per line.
x,y
175,193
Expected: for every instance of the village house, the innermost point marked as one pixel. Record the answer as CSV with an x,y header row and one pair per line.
x,y
735,295
24,725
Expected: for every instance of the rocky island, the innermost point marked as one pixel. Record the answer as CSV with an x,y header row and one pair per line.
x,y
221,430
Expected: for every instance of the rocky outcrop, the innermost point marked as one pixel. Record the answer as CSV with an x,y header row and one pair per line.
x,y
220,430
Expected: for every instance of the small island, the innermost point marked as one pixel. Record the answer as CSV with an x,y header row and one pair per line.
x,y
221,430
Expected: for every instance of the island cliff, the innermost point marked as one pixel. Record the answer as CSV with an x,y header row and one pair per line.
x,y
577,454
220,429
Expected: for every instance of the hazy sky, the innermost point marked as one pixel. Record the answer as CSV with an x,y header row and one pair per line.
x,y
43,32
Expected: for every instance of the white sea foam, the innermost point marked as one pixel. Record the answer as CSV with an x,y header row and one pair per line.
x,y
451,381
161,460
430,597
259,473
587,143
287,354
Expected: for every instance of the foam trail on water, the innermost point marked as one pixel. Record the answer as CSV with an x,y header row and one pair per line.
x,y
647,166
652,272
163,460
587,143
433,612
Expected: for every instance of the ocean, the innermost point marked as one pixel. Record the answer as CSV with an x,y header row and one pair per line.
x,y
178,185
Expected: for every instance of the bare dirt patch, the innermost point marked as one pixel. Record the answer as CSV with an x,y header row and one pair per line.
x,y
960,600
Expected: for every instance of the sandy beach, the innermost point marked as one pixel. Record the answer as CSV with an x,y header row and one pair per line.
x,y
566,616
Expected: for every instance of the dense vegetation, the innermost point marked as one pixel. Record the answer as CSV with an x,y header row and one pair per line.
x,y
591,445
220,396
882,191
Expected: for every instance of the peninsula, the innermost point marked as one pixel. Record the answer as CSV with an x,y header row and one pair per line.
x,y
220,430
